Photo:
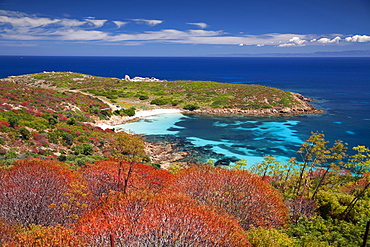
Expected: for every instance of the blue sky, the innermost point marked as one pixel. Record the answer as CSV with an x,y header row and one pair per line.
x,y
183,27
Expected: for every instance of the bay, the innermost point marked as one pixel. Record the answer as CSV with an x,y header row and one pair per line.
x,y
341,87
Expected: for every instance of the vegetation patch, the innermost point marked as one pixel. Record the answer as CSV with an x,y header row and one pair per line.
x,y
205,94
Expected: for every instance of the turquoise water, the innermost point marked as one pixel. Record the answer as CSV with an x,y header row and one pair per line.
x,y
222,137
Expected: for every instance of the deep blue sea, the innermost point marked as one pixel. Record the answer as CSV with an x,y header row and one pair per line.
x,y
341,87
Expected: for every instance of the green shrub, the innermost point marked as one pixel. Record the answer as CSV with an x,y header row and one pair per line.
x,y
13,121
25,133
143,97
52,120
112,97
125,112
62,157
175,102
11,155
77,149
82,139
53,138
320,232
38,124
160,101
270,237
191,107
87,149
129,112
71,121
68,139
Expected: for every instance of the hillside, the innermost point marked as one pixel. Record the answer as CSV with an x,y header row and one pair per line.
x,y
54,124
202,96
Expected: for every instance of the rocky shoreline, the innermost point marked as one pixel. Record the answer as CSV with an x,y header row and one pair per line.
x,y
165,154
306,108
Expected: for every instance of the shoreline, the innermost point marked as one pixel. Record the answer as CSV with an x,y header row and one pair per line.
x,y
113,121
305,108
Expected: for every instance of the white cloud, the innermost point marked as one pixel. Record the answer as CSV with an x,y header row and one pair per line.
x,y
198,24
12,36
329,41
11,13
120,23
295,41
287,45
80,35
204,33
28,22
148,22
20,21
358,38
96,23
70,22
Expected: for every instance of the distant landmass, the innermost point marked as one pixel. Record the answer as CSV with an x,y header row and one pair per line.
x,y
353,53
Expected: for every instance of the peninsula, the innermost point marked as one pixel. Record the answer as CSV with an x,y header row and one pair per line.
x,y
203,97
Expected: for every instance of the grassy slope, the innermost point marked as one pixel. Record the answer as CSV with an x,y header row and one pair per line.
x,y
205,94
50,123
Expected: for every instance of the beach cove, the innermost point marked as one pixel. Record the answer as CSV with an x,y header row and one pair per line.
x,y
219,138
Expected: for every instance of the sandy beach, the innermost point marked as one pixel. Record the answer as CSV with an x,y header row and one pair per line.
x,y
117,120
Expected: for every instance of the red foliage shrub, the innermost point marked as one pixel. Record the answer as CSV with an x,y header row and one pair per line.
x,y
94,141
161,220
38,137
4,123
247,197
40,192
102,177
65,130
62,118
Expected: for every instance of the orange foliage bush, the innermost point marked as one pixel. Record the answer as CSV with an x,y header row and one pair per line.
x,y
39,236
116,217
176,220
40,192
158,220
236,192
7,231
102,177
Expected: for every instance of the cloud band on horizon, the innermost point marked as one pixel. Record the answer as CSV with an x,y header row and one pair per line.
x,y
22,27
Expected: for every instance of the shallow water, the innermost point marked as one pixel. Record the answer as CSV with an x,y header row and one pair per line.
x,y
220,137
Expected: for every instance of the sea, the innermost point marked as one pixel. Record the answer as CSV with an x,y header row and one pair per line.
x,y
339,85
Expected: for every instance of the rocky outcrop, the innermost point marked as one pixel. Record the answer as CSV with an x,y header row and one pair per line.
x,y
164,154
146,79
